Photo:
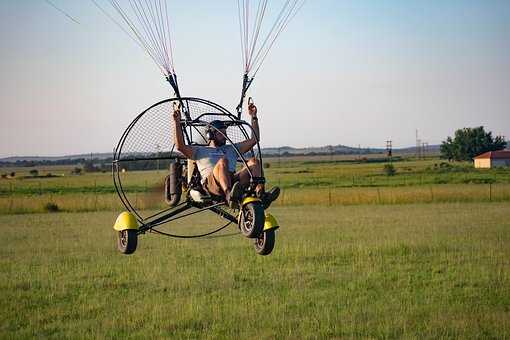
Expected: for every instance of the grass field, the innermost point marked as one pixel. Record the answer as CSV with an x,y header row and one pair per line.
x,y
422,254
304,181
364,271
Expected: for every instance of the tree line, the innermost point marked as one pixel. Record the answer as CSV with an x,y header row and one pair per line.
x,y
468,143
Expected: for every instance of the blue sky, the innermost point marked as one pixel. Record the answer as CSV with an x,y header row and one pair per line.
x,y
344,72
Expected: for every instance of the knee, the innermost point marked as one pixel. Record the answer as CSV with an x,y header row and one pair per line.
x,y
222,163
252,161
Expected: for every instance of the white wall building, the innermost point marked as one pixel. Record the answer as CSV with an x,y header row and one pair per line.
x,y
493,159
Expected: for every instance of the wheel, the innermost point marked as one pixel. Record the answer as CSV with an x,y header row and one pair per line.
x,y
127,241
252,219
264,244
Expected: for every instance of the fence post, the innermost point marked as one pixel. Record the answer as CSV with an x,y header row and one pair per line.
x,y
329,197
10,196
95,195
490,192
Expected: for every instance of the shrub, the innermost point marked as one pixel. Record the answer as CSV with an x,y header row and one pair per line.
x,y
51,207
76,171
389,170
90,167
12,174
267,165
34,172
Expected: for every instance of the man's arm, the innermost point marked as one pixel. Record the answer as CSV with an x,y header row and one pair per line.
x,y
250,143
181,146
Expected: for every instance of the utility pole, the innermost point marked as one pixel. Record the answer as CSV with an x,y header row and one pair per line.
x,y
389,150
418,146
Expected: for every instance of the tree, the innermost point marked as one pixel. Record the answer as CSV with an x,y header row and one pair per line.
x,y
76,171
90,167
389,170
470,142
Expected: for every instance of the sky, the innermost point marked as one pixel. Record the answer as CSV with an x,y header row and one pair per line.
x,y
343,72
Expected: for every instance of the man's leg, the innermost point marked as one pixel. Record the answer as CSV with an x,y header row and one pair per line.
x,y
222,177
256,170
244,175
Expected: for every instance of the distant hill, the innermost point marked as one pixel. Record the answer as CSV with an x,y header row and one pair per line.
x,y
270,151
320,150
87,156
342,150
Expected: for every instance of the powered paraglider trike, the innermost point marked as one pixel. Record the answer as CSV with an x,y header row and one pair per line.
x,y
148,143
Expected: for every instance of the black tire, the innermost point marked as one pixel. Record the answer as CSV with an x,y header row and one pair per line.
x,y
264,244
127,241
252,219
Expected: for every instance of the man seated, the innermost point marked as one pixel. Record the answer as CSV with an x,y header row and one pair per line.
x,y
216,162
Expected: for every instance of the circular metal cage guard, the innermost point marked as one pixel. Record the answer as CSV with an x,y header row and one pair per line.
x,y
148,144
151,134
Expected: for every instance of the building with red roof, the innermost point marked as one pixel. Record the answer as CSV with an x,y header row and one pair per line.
x,y
492,159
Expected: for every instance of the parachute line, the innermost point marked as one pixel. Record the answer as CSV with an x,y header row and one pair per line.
x,y
148,24
253,52
62,11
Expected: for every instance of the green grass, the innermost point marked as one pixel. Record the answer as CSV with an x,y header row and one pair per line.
x,y
311,174
307,173
304,181
82,202
365,271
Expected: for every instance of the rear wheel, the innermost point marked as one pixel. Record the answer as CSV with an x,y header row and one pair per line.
x,y
264,243
252,219
127,241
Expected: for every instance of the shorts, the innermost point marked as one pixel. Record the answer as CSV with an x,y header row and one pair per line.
x,y
214,188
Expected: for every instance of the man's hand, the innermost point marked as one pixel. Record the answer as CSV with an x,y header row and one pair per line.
x,y
248,144
181,146
177,112
252,109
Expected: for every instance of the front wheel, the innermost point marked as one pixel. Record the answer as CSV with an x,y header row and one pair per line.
x,y
264,244
127,241
252,219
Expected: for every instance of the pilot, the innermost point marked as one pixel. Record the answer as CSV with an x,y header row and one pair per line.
x,y
216,161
